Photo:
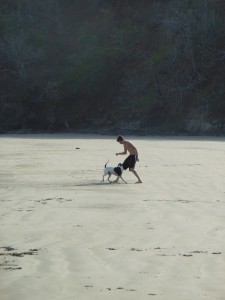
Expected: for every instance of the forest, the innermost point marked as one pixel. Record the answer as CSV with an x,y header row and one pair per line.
x,y
146,66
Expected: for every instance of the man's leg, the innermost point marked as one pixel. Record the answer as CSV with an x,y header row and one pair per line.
x,y
136,174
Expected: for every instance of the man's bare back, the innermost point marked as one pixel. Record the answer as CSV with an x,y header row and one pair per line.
x,y
130,148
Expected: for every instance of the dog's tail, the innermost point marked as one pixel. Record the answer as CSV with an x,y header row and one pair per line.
x,y
106,163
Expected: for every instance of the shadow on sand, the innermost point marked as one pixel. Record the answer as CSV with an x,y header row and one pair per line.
x,y
98,183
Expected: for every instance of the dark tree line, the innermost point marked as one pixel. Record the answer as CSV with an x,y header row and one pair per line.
x,y
110,64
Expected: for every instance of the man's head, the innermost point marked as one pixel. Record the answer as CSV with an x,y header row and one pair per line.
x,y
120,139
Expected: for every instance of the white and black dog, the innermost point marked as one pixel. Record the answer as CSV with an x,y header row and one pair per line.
x,y
117,171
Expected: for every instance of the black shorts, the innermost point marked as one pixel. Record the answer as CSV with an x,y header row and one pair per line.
x,y
130,162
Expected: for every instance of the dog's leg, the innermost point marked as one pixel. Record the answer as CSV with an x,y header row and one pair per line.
x,y
109,177
117,179
122,179
103,177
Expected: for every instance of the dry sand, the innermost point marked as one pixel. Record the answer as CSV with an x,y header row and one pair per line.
x,y
65,235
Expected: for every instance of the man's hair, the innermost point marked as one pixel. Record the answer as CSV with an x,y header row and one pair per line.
x,y
120,138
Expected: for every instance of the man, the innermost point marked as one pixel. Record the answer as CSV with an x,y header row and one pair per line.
x,y
130,161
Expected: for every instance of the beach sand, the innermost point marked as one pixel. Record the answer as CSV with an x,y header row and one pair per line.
x,y
65,235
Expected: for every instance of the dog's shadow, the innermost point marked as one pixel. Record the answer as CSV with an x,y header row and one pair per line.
x,y
99,184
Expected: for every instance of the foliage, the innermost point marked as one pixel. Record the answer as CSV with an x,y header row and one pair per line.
x,y
122,64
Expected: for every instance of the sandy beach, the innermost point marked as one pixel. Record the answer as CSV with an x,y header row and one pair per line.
x,y
64,235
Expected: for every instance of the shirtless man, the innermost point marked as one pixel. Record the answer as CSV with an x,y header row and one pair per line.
x,y
130,161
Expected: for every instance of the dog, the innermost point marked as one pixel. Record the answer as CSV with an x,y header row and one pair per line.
x,y
117,171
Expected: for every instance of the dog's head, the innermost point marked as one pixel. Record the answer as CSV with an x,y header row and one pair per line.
x,y
120,165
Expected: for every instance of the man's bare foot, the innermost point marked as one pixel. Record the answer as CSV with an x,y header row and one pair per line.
x,y
139,181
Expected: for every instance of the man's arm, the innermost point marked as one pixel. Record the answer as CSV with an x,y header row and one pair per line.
x,y
137,157
122,153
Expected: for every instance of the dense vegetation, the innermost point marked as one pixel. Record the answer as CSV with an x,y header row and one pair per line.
x,y
114,65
